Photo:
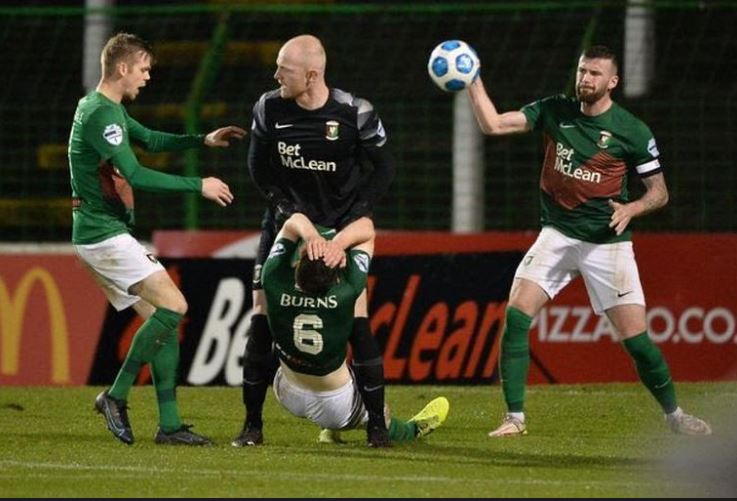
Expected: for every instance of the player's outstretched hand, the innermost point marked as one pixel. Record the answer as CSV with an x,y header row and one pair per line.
x,y
220,137
217,191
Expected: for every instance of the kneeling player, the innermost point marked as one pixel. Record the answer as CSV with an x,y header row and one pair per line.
x,y
312,292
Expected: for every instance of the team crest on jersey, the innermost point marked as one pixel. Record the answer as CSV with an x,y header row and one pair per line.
x,y
113,134
604,137
277,250
362,261
331,130
257,274
652,148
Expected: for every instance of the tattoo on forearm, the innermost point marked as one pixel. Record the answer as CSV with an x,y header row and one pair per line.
x,y
656,195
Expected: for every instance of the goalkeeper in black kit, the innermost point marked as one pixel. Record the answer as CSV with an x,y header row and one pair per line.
x,y
307,153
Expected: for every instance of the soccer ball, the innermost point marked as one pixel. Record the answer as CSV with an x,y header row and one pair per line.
x,y
453,65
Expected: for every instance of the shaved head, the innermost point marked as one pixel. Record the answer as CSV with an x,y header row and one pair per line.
x,y
305,51
300,71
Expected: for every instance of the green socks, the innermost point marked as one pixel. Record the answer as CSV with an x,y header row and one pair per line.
x,y
515,358
653,370
402,431
515,361
146,343
164,374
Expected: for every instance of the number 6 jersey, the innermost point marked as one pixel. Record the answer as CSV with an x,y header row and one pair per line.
x,y
311,332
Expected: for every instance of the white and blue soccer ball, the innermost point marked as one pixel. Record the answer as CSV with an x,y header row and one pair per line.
x,y
453,65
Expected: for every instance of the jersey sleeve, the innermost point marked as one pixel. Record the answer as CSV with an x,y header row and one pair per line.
x,y
645,155
258,156
156,141
279,259
258,124
370,128
357,269
373,138
107,132
535,111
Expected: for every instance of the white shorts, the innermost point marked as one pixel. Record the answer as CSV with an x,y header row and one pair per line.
x,y
340,409
116,264
608,270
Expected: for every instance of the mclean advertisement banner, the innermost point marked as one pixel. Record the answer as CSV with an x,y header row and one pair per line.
x,y
436,301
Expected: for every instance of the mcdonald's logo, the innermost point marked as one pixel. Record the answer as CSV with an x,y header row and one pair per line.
x,y
13,308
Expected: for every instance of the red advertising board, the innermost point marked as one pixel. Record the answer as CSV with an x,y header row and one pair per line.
x,y
690,283
436,302
51,314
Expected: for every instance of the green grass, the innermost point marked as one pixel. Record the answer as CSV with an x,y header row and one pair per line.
x,y
584,441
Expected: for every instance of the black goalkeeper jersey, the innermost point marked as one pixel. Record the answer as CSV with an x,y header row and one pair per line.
x,y
313,159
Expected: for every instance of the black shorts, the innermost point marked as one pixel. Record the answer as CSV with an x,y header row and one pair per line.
x,y
269,229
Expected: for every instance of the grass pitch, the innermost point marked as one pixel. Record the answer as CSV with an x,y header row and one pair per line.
x,y
584,441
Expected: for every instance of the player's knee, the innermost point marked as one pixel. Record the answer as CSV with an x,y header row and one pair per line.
x,y
527,297
259,341
364,345
524,306
257,351
179,305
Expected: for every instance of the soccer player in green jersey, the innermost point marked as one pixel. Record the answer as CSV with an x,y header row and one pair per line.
x,y
104,172
591,143
311,300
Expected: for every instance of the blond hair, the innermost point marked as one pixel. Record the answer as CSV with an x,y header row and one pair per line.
x,y
120,48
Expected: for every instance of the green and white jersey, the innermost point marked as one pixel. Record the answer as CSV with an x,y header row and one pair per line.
x,y
104,170
587,161
311,332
